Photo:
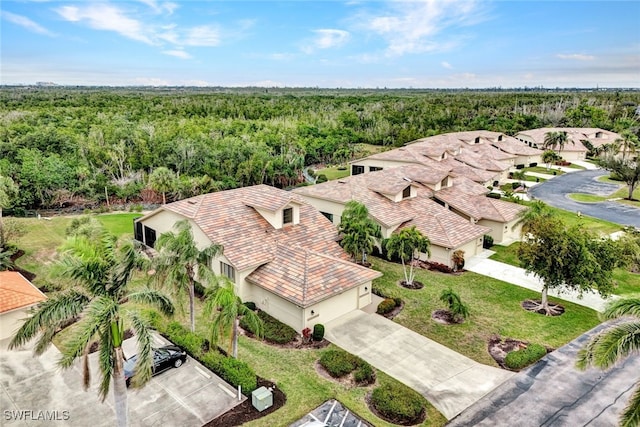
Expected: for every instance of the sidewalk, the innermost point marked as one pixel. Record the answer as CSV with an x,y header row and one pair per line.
x,y
518,276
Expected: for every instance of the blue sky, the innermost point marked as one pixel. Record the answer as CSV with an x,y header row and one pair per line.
x,y
419,44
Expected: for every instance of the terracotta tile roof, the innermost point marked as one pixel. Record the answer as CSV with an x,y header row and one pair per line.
x,y
228,219
511,145
467,186
447,229
481,162
305,277
17,292
479,206
575,134
462,169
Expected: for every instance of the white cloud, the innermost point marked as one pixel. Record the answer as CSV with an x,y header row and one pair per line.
x,y
415,27
106,17
576,56
204,35
177,53
446,65
151,81
325,39
26,23
160,7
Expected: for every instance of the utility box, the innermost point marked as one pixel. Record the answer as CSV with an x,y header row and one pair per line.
x,y
262,398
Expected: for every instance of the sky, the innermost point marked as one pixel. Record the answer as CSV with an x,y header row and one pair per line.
x,y
327,44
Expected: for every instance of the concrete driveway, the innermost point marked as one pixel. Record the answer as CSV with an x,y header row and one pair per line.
x,y
554,393
555,191
449,380
188,396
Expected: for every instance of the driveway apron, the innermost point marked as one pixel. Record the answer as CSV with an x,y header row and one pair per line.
x,y
449,380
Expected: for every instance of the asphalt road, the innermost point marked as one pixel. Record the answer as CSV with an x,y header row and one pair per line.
x,y
555,191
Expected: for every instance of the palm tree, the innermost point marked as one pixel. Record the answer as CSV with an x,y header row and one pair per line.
x,y
528,217
360,233
629,143
556,139
225,308
100,272
182,264
549,156
458,309
407,245
163,180
620,341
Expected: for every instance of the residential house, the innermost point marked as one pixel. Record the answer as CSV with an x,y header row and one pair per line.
x,y
574,149
17,296
279,252
401,197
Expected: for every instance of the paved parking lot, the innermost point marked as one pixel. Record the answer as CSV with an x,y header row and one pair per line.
x,y
188,396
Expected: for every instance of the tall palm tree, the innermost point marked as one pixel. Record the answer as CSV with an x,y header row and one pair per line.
x,y
556,139
529,216
99,272
549,156
360,233
163,180
225,308
618,342
407,245
182,265
629,143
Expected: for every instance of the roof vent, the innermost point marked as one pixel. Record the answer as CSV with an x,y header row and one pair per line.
x,y
407,179
342,181
192,202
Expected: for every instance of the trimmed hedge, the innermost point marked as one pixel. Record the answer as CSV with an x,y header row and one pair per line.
x,y
318,332
520,358
364,374
487,242
250,305
494,195
274,330
339,363
398,403
386,306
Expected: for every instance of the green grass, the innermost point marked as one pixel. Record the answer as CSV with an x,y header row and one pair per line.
x,y
574,166
608,180
543,169
586,198
119,224
595,225
333,172
506,254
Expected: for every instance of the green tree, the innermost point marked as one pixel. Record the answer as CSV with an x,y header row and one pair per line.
x,y
566,259
360,232
99,272
162,180
224,307
407,244
614,344
549,156
8,190
628,170
556,139
629,142
534,212
181,264
458,309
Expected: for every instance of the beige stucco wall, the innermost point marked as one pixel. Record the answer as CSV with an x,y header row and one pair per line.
x,y
11,321
164,221
327,206
283,310
497,229
338,305
276,218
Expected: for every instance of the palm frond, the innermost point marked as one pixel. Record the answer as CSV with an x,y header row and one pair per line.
x,y
255,322
52,312
144,361
607,348
154,299
623,307
106,361
631,415
100,312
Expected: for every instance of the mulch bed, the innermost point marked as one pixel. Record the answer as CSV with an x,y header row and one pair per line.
x,y
393,313
346,380
245,412
534,307
414,285
445,317
419,420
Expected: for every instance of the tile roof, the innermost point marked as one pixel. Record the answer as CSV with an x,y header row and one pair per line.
x,y
575,134
479,206
511,145
468,186
227,218
443,227
17,292
305,277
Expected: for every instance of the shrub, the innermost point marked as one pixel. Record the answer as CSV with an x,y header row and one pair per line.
x,y
533,165
250,305
515,185
520,358
487,242
321,178
364,374
437,266
398,403
494,195
191,342
455,304
238,373
318,332
519,166
274,330
338,363
386,306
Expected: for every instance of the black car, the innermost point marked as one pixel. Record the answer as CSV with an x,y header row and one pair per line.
x,y
166,357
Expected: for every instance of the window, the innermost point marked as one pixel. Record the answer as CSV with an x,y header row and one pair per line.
x,y
357,169
477,140
227,270
499,137
287,216
137,231
406,193
328,216
374,168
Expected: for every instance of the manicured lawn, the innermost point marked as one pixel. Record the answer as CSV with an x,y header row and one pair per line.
x,y
494,306
543,169
586,198
595,225
120,224
333,172
574,166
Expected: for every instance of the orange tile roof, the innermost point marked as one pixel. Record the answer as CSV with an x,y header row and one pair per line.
x,y
479,206
575,135
17,292
306,277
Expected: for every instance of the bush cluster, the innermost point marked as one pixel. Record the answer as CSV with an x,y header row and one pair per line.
x,y
386,306
318,332
437,266
494,195
398,403
520,358
234,371
250,305
339,363
274,330
487,242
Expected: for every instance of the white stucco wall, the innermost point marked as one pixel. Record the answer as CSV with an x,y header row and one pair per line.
x,y
367,163
11,321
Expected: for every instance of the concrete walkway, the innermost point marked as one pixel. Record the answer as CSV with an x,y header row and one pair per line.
x,y
449,380
518,276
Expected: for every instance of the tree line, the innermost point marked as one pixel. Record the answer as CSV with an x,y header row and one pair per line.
x,y
81,145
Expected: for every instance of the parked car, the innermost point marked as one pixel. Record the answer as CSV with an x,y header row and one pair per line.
x,y
164,358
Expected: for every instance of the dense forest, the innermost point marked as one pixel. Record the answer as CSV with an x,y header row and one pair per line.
x,y
61,146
